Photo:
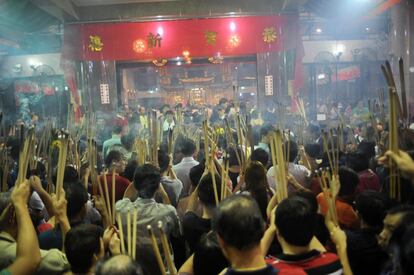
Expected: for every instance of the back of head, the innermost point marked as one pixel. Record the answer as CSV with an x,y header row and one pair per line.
x,y
293,150
406,251
313,150
81,244
188,147
291,216
119,265
261,156
117,129
196,173
255,176
130,170
238,222
234,155
372,207
358,161
349,181
208,257
205,191
112,157
163,160
266,130
308,196
76,196
147,180
367,148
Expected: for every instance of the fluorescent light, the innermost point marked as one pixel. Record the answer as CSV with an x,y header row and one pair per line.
x,y
179,63
318,30
251,93
321,76
241,94
160,31
232,26
242,87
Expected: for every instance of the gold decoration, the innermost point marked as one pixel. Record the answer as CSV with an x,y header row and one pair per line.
x,y
153,40
234,40
216,59
211,37
159,63
269,35
95,43
139,46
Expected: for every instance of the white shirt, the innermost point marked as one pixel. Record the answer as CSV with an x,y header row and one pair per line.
x,y
299,172
182,170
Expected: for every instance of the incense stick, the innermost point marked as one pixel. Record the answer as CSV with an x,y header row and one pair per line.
x,y
107,200
156,250
113,196
121,232
134,232
129,236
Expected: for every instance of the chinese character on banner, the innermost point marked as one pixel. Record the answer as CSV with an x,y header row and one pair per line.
x,y
211,37
268,85
154,41
139,46
95,43
104,93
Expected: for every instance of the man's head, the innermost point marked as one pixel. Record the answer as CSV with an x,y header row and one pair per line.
x,y
147,180
205,191
142,110
76,197
115,160
261,156
391,221
293,150
120,264
223,102
84,247
188,147
117,129
349,181
358,161
291,216
169,116
371,208
196,173
238,223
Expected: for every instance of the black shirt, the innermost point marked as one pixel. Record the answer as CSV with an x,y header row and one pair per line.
x,y
194,227
365,255
268,270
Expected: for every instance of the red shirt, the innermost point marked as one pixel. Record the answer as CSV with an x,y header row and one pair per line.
x,y
121,184
368,180
313,262
346,214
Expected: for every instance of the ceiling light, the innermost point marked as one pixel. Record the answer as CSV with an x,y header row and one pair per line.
x,y
160,31
318,30
321,76
232,26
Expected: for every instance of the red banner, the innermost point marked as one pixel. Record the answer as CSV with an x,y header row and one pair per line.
x,y
180,38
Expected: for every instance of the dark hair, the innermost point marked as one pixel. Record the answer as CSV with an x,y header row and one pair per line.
x,y
349,181
238,222
401,209
76,197
196,173
113,265
261,156
208,257
188,147
147,180
372,207
223,100
117,129
358,161
163,160
205,191
296,221
313,150
309,197
256,183
130,170
233,160
113,156
81,243
70,175
367,148
266,129
293,150
128,142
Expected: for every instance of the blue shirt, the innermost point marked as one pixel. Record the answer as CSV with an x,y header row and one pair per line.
x,y
116,139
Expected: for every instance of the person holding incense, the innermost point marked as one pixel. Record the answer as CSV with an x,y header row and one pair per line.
x,y
195,226
119,264
169,181
294,225
146,183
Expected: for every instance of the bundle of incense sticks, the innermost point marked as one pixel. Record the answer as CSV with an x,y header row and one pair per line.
x,y
302,112
279,165
331,148
330,187
394,110
224,178
156,250
166,249
63,150
154,139
140,149
26,154
131,228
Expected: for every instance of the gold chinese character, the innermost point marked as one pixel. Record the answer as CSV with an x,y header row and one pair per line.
x,y
211,37
269,35
154,40
95,43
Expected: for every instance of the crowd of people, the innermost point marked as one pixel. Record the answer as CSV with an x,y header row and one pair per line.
x,y
248,232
